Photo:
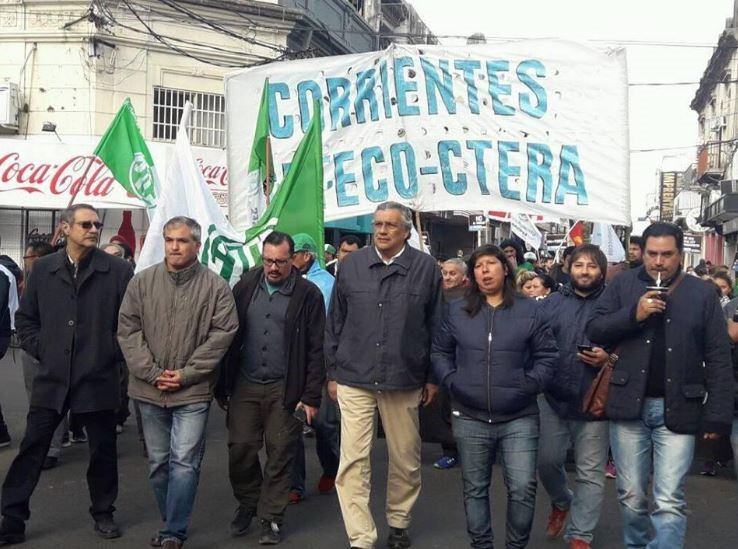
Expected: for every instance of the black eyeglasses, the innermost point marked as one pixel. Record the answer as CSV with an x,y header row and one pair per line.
x,y
278,262
87,225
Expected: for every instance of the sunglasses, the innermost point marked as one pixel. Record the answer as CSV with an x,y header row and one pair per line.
x,y
87,225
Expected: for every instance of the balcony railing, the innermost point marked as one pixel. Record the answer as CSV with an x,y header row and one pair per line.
x,y
723,209
711,160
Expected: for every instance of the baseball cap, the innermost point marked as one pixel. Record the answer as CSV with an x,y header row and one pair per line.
x,y
305,243
330,249
529,256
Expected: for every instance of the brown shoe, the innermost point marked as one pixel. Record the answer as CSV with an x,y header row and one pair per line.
x,y
579,544
556,522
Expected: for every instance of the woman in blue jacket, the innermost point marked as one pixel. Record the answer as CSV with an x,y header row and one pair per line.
x,y
494,354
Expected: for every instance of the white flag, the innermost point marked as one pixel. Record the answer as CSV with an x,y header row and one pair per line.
x,y
604,236
184,192
522,226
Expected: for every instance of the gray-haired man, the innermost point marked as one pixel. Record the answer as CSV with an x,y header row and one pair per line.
x,y
176,323
386,302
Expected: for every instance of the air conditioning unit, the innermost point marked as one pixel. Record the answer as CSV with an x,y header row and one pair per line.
x,y
9,107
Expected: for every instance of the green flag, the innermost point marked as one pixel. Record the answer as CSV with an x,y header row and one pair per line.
x,y
296,207
124,152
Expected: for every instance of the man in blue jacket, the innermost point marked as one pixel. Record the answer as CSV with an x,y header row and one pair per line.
x,y
385,305
326,423
562,421
673,380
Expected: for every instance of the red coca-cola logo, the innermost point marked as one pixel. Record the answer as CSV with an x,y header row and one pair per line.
x,y
215,175
84,175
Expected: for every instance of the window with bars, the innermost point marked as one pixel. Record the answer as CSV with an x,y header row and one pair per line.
x,y
207,123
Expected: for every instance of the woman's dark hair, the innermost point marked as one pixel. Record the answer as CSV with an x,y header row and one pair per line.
x,y
593,252
550,283
475,299
725,277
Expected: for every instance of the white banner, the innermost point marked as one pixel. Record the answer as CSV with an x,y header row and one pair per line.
x,y
522,226
535,126
604,236
40,175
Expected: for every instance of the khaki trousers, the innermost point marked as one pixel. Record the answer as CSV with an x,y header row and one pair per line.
x,y
399,413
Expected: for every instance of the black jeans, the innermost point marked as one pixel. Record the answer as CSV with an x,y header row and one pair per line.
x,y
24,472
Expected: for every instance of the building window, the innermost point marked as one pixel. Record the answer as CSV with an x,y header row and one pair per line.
x,y
207,123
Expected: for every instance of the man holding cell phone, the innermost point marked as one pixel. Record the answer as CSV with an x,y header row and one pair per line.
x,y
673,380
575,511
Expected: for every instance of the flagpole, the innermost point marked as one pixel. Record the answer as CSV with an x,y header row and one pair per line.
x,y
268,189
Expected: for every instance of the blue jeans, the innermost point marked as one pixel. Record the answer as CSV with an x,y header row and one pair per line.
x,y
175,439
590,455
327,444
478,443
637,447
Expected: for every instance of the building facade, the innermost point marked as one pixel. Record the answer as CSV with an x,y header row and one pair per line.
x,y
67,66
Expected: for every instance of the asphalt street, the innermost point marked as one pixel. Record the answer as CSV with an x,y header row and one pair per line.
x,y
60,518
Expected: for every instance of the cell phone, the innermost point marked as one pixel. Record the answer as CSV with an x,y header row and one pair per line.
x,y
582,348
735,316
300,415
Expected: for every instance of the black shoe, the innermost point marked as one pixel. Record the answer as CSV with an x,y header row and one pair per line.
x,y
269,533
398,539
78,436
50,462
241,521
4,436
10,536
106,528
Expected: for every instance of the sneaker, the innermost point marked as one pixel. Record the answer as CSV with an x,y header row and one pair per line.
x,y
4,436
326,484
295,497
578,544
446,462
398,539
171,543
308,431
556,522
269,533
66,443
155,540
106,528
708,469
241,521
50,462
78,437
610,471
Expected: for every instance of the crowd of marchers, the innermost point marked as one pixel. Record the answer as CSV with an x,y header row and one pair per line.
x,y
496,357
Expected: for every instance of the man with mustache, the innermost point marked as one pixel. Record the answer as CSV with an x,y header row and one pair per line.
x,y
672,381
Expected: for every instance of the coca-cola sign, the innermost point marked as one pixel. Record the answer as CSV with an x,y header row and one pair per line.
x,y
47,175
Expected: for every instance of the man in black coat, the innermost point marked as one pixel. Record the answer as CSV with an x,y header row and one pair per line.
x,y
673,379
274,374
67,320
